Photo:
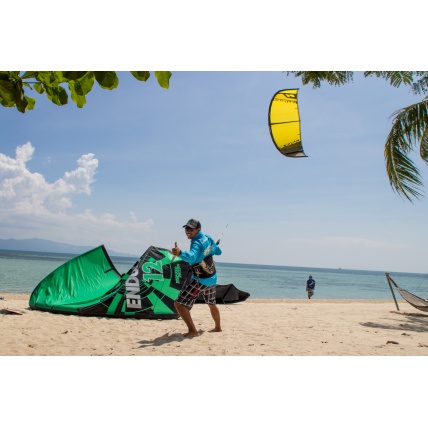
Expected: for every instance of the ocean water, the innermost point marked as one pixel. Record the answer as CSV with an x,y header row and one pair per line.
x,y
21,271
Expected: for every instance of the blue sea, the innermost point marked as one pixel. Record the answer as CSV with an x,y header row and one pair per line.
x,y
21,271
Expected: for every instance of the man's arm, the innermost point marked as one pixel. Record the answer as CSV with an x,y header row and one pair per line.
x,y
192,255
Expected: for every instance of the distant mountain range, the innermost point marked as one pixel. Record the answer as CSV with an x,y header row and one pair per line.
x,y
45,246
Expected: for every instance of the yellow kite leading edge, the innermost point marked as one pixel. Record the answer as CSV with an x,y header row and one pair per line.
x,y
284,123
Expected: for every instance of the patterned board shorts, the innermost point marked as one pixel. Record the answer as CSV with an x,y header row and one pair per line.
x,y
191,291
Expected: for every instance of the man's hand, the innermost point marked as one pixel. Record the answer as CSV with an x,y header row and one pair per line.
x,y
176,251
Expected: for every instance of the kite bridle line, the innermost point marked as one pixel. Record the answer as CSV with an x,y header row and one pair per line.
x,y
221,236
250,153
237,181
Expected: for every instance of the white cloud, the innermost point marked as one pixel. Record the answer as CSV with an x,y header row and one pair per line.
x,y
32,207
30,193
110,220
24,153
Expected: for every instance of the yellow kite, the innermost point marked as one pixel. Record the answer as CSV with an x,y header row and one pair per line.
x,y
284,123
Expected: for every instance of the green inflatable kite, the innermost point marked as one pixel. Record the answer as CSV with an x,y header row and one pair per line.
x,y
89,284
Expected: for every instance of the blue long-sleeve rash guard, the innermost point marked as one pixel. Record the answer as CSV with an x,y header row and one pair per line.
x,y
201,246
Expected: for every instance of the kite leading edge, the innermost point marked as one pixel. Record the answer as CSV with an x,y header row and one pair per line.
x,y
284,123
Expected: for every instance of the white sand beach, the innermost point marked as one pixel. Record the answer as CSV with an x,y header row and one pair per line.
x,y
251,328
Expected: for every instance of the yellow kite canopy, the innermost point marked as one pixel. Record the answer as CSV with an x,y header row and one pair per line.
x,y
284,123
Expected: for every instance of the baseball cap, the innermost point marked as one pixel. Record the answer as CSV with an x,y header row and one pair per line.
x,y
193,224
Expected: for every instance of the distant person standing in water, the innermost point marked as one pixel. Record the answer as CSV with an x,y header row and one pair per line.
x,y
310,286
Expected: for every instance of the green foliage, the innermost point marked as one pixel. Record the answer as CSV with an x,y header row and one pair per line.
x,y
409,132
336,78
13,85
421,85
163,78
395,78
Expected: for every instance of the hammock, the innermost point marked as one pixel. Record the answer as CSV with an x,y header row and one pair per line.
x,y
414,300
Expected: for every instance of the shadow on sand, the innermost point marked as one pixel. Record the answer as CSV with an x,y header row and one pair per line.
x,y
165,339
412,322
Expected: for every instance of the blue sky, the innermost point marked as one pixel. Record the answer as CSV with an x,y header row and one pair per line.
x,y
135,163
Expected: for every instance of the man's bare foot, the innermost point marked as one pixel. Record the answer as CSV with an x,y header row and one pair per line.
x,y
191,334
216,330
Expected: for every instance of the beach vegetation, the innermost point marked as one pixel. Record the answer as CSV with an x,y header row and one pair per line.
x,y
409,131
15,85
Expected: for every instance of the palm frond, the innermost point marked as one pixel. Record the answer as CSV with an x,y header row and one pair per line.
x,y
424,146
403,175
336,78
413,123
409,129
395,78
421,85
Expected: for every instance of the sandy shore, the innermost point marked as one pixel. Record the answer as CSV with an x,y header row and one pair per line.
x,y
251,328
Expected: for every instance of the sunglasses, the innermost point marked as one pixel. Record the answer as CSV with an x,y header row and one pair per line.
x,y
189,229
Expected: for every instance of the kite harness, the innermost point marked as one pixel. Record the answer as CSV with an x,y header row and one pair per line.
x,y
205,268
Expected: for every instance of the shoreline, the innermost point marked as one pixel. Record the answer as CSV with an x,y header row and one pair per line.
x,y
23,296
256,327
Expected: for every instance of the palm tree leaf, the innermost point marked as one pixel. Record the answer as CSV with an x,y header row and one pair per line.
x,y
403,175
336,78
424,146
412,121
421,85
395,78
409,129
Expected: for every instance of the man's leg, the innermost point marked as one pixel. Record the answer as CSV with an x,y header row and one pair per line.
x,y
187,318
215,313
